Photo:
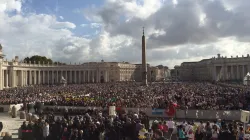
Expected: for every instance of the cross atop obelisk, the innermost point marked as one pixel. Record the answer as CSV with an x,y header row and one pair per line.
x,y
144,62
143,31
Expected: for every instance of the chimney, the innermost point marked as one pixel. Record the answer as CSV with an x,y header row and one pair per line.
x,y
218,55
247,55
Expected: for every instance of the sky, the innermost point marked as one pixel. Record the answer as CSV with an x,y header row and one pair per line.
x,y
93,30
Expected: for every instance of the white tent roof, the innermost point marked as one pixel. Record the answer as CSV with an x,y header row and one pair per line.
x,y
247,77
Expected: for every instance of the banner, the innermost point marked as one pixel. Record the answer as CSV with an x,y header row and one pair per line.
x,y
158,112
244,116
112,111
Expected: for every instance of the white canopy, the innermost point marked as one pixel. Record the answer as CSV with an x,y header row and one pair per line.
x,y
246,80
247,77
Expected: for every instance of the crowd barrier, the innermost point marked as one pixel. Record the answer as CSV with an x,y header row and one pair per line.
x,y
7,108
179,114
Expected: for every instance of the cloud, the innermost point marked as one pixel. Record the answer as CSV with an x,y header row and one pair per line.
x,y
181,24
10,5
61,17
176,31
95,25
84,25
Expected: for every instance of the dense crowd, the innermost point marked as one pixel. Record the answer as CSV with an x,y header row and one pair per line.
x,y
88,125
186,95
98,125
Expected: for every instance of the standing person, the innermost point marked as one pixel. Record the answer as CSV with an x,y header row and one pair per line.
x,y
24,128
208,131
241,134
189,131
225,134
181,133
165,129
46,131
159,135
65,134
215,133
170,125
198,134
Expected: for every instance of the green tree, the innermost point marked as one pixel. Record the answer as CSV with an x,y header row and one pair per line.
x,y
36,58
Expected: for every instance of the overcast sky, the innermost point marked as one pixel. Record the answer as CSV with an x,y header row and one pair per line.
x,y
92,30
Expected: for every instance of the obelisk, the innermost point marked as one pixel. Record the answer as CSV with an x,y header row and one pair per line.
x,y
144,62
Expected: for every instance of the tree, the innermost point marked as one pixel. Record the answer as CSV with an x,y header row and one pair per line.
x,y
37,58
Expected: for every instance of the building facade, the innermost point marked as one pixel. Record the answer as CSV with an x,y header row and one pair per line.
x,y
214,69
17,74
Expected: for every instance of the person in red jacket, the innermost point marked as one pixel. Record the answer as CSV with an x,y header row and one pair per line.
x,y
170,111
165,128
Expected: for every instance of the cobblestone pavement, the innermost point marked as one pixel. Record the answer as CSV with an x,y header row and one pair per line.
x,y
10,124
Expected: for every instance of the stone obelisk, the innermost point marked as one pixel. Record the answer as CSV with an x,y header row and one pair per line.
x,y
144,62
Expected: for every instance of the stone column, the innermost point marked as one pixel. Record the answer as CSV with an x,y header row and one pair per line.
x,y
48,77
21,78
30,77
35,79
238,72
105,76
88,76
66,76
79,77
70,77
53,77
97,76
3,74
213,70
231,73
2,79
25,78
243,71
93,76
75,77
225,73
13,78
57,77
84,76
43,77
7,78
39,77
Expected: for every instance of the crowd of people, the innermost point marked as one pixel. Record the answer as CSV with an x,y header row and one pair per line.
x,y
98,125
88,125
187,95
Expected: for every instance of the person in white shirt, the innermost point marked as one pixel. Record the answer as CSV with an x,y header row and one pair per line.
x,y
170,125
46,131
189,131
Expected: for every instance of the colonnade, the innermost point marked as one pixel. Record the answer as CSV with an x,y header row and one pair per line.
x,y
14,78
231,72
